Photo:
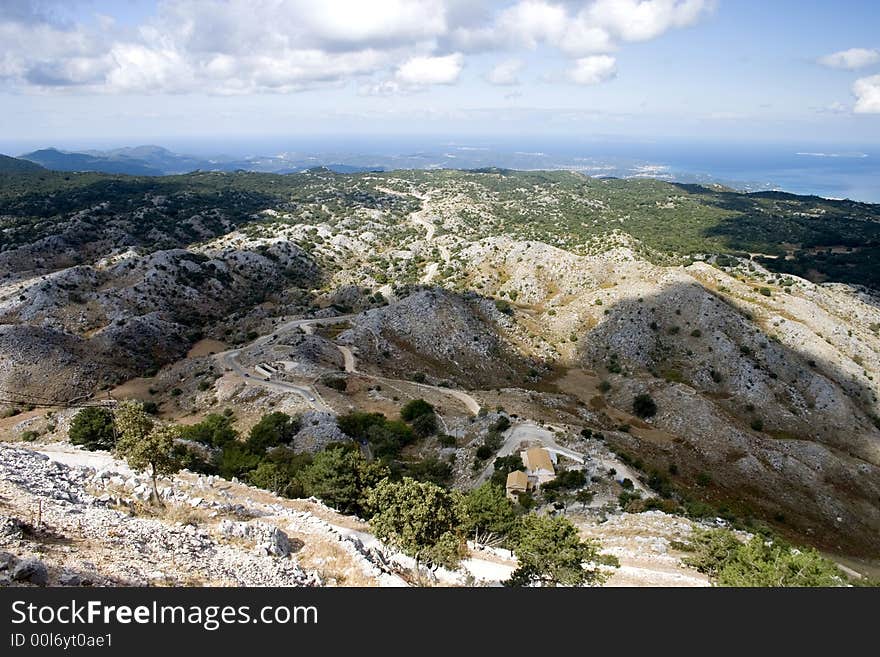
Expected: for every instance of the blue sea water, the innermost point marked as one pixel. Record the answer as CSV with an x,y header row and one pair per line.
x,y
849,170
830,170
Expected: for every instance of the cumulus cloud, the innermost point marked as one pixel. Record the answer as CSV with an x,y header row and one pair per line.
x,y
851,59
420,71
867,92
593,69
248,46
505,73
640,20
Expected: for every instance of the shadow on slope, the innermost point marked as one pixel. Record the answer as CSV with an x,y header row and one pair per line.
x,y
762,427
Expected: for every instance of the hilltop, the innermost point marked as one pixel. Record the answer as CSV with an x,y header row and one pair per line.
x,y
16,165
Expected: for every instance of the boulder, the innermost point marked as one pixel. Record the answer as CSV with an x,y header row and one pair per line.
x,y
31,570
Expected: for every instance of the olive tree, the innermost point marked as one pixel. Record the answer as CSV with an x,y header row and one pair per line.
x,y
421,519
550,553
145,445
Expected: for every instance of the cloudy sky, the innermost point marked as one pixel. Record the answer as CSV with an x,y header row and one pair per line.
x,y
75,71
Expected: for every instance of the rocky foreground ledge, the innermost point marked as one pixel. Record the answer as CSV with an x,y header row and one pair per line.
x,y
80,525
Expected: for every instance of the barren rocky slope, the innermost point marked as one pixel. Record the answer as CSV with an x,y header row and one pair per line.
x,y
556,295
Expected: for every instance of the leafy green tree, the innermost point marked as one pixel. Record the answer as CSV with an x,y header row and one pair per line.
x,y
272,477
430,469
759,562
93,428
422,519
145,445
503,466
273,429
340,476
215,430
550,552
237,460
357,423
425,425
490,515
415,408
388,438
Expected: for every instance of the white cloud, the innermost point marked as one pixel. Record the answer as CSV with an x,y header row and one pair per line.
x,y
640,20
419,71
531,22
593,69
505,73
253,46
867,91
851,59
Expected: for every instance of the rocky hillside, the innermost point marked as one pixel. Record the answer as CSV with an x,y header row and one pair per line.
x,y
751,321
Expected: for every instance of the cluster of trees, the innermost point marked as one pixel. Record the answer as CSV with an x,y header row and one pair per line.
x,y
432,524
762,561
421,518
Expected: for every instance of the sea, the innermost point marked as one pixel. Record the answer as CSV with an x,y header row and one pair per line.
x,y
837,171
830,170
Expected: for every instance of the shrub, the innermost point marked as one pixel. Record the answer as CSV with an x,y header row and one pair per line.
x,y
29,436
759,562
272,430
644,406
415,408
425,425
501,424
429,469
446,440
489,513
215,430
421,519
92,428
340,476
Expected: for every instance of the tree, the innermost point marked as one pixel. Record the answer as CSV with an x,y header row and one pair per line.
x,y
272,430
422,519
759,562
584,496
145,445
503,466
93,428
644,406
415,408
340,476
215,430
550,552
425,425
270,476
490,515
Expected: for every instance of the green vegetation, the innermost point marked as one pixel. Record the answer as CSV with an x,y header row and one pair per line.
x,y
145,445
340,476
272,430
421,417
762,561
421,519
644,406
491,517
550,553
92,428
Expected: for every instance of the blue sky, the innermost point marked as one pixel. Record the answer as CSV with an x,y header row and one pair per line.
x,y
82,72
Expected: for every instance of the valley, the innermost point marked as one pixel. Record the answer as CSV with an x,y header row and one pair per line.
x,y
546,303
